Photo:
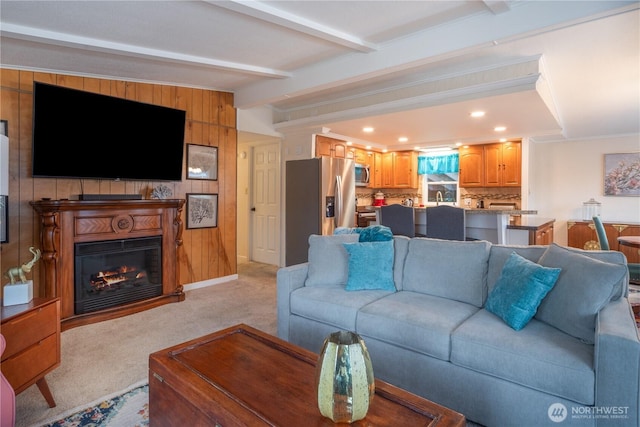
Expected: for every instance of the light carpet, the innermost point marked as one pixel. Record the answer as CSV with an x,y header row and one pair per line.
x,y
104,358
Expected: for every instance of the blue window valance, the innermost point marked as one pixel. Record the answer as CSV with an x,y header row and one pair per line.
x,y
438,163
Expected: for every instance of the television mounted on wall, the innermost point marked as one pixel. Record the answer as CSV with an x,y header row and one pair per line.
x,y
79,134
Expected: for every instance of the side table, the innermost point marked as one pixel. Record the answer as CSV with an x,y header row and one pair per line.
x,y
32,332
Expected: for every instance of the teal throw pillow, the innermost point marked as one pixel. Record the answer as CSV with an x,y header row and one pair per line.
x,y
520,289
376,233
370,266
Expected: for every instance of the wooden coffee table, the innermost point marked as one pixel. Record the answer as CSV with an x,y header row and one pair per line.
x,y
241,376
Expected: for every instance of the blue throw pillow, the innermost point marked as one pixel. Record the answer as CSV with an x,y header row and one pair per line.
x,y
370,266
520,289
376,233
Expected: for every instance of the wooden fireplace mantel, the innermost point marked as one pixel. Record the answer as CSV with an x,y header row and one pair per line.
x,y
67,222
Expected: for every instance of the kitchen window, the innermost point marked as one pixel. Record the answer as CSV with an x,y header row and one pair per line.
x,y
439,178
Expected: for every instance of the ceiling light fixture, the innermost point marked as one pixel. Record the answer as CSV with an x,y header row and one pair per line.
x,y
349,143
477,114
367,129
500,128
403,139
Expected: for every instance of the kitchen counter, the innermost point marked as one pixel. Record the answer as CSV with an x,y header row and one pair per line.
x,y
530,223
481,224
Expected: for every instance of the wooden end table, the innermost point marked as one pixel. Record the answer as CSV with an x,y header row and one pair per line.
x,y
32,331
241,376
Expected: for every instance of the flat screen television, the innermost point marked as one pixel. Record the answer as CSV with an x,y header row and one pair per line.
x,y
78,134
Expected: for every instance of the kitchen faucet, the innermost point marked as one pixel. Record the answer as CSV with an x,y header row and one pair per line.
x,y
439,195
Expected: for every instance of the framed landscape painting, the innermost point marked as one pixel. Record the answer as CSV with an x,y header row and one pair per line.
x,y
202,210
622,174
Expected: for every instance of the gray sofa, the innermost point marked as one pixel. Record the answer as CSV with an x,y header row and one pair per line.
x,y
576,362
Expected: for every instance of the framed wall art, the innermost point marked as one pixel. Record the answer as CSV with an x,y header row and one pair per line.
x,y
202,162
622,174
202,210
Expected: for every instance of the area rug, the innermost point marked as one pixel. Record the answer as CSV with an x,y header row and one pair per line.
x,y
127,408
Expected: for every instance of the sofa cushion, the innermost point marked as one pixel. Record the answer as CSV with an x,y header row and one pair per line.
x,y
519,290
376,233
501,253
370,265
449,269
328,260
539,356
419,322
332,305
595,282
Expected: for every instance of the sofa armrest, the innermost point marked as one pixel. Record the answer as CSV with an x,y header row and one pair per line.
x,y
288,279
617,362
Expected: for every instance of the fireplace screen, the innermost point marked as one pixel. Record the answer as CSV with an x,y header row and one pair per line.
x,y
117,272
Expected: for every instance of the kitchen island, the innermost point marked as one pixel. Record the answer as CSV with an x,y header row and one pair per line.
x,y
481,224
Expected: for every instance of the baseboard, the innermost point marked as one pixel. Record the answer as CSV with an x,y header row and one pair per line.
x,y
209,282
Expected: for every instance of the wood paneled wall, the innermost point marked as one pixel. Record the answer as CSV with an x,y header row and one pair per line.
x,y
211,120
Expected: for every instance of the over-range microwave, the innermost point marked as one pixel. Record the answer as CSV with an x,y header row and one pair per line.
x,y
362,175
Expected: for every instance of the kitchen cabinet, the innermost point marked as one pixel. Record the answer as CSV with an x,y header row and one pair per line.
x,y
376,171
582,234
471,166
399,170
360,156
491,165
502,165
331,147
32,332
405,169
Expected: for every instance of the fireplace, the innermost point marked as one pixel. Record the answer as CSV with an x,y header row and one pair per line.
x,y
102,242
116,272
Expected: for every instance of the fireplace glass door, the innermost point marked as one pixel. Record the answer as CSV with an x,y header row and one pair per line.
x,y
117,272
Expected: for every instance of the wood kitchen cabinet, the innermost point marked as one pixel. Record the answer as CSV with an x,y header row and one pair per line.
x,y
32,332
399,170
471,166
331,147
405,169
502,165
376,171
582,234
491,165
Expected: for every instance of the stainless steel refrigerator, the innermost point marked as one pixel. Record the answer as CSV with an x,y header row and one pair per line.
x,y
320,196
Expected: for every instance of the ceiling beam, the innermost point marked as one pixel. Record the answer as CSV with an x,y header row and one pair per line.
x,y
20,32
436,44
297,23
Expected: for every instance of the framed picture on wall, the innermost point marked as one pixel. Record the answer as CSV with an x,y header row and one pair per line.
x,y
622,174
202,210
202,162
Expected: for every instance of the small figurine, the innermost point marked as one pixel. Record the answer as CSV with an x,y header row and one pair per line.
x,y
25,268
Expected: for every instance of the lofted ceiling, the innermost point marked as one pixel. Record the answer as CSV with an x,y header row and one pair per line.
x,y
547,70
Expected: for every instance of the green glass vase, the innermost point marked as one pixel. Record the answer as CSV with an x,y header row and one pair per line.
x,y
344,378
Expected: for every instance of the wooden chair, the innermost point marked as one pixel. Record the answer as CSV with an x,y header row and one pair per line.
x,y
400,219
446,222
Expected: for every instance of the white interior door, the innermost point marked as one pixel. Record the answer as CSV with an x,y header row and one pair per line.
x,y
265,209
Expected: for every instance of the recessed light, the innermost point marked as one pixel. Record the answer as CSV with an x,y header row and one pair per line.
x,y
500,128
368,147
384,150
403,139
477,114
349,143
503,139
367,129
458,144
